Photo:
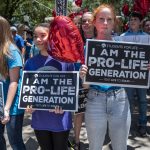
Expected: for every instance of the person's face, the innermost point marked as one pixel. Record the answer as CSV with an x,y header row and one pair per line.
x,y
134,23
29,35
147,27
77,22
87,23
41,37
104,21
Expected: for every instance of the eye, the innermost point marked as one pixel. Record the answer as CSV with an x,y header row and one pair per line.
x,y
109,20
34,36
43,35
83,21
101,19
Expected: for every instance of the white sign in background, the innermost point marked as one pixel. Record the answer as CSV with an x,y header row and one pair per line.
x,y
143,39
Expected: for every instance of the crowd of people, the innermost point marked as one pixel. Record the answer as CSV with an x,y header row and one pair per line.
x,y
107,106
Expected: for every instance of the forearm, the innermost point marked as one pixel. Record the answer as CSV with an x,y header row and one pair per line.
x,y
86,86
11,94
23,51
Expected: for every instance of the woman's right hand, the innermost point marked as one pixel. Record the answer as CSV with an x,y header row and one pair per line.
x,y
83,71
57,110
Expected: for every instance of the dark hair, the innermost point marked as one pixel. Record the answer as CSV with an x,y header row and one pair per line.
x,y
145,20
30,32
136,14
46,25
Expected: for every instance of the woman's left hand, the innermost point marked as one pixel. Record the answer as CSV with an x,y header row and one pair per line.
x,y
6,117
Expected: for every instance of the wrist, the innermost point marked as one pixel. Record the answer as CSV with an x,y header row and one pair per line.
x,y
6,112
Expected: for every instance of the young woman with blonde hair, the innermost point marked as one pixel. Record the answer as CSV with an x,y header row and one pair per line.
x,y
11,71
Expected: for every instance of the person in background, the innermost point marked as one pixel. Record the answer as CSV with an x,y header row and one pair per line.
x,y
135,19
146,25
118,26
18,40
85,26
106,105
34,51
11,71
146,28
28,44
51,128
77,21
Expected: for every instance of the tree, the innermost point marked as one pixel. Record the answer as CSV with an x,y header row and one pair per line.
x,y
37,10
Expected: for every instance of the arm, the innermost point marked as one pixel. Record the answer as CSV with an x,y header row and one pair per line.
x,y
14,77
23,54
82,73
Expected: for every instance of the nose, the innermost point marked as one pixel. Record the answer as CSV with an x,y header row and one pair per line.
x,y
105,21
38,39
87,21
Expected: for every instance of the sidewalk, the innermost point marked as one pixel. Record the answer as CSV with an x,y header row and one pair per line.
x,y
134,142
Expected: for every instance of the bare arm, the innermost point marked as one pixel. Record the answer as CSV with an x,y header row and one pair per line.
x,y
82,73
23,54
14,77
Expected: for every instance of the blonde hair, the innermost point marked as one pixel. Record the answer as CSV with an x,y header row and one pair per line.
x,y
5,41
96,11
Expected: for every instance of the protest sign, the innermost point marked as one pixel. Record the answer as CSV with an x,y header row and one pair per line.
x,y
82,100
117,63
143,39
48,89
1,101
61,7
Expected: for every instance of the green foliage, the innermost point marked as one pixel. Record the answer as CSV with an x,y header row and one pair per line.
x,y
15,10
91,5
37,10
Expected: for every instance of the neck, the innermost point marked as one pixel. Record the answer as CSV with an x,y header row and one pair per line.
x,y
135,30
88,35
104,37
44,52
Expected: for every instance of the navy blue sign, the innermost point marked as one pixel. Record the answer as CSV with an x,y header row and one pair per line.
x,y
48,89
82,101
61,7
117,63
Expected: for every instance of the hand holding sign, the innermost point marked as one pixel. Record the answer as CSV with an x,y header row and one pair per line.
x,y
83,71
65,41
29,109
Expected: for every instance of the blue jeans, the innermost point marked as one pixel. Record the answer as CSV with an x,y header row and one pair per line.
x,y
107,108
2,139
142,101
14,131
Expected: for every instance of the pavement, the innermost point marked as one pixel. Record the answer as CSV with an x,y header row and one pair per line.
x,y
135,142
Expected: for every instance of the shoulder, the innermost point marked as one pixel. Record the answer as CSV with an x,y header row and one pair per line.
x,y
14,59
13,50
18,36
123,34
66,66
144,33
33,59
